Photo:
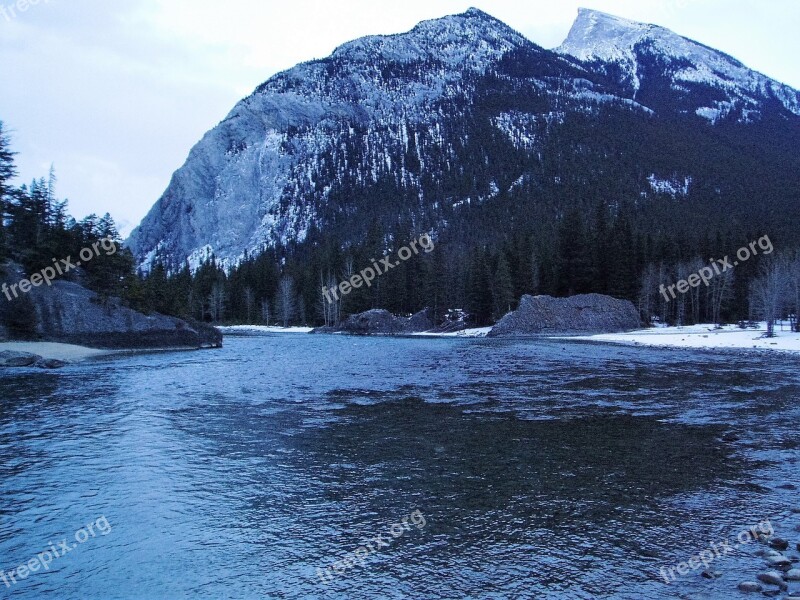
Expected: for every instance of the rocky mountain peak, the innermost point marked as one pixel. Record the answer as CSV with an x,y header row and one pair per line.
x,y
599,35
640,54
471,39
430,121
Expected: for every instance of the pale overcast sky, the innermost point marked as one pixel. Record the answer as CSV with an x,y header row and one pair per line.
x,y
116,92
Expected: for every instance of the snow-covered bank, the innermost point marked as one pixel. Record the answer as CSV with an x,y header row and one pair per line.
x,y
706,336
254,329
259,329
470,333
53,350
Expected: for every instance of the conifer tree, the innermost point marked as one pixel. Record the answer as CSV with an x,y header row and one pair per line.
x,y
502,289
479,291
7,172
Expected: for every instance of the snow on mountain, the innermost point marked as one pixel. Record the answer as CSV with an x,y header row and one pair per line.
x,y
640,51
674,187
398,112
597,36
473,39
250,181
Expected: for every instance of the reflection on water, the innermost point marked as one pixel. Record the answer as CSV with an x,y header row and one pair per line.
x,y
543,469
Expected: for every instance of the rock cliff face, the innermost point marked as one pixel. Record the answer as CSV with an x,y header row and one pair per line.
x,y
590,313
382,322
72,314
69,313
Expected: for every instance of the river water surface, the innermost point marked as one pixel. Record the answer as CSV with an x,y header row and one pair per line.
x,y
542,469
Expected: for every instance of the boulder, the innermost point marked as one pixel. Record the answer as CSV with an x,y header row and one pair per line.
x,y
382,322
773,578
18,359
69,313
779,543
376,321
779,562
50,363
586,314
422,321
750,586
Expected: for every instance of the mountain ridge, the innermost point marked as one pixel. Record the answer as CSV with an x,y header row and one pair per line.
x,y
411,112
599,36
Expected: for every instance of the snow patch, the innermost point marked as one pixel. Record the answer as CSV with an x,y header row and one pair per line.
x,y
597,36
674,187
479,332
706,337
261,329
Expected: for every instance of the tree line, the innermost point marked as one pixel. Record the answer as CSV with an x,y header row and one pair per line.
x,y
36,228
600,254
592,246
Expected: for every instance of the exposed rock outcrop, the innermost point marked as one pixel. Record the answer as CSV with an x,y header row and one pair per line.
x,y
72,314
382,322
13,359
590,313
17,359
69,313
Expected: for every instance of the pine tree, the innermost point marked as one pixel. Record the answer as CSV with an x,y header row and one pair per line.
x,y
502,289
624,277
286,301
601,268
479,291
575,264
7,172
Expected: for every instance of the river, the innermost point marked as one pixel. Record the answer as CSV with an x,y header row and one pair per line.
x,y
533,469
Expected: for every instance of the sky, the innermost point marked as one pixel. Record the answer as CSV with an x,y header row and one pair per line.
x,y
115,93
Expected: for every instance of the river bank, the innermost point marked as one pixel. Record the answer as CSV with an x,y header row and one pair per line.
x,y
53,350
706,337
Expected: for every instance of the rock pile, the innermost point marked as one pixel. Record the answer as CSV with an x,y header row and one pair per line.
x,y
382,322
586,314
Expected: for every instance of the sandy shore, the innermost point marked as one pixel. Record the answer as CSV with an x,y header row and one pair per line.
x,y
53,351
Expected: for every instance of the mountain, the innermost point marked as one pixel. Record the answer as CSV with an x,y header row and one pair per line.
x,y
463,127
255,178
655,65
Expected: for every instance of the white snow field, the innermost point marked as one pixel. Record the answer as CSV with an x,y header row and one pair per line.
x,y
251,329
707,336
